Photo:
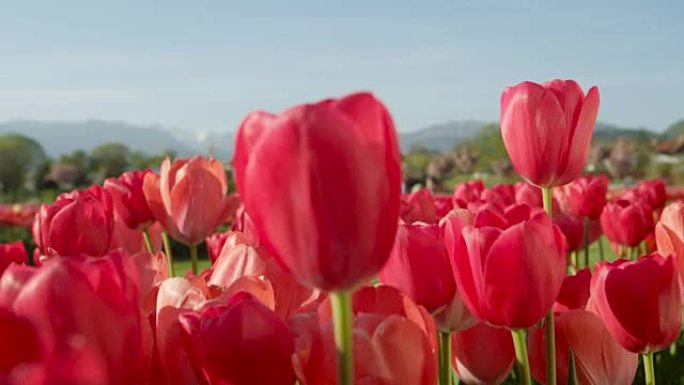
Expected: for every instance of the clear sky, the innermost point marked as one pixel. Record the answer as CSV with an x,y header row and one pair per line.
x,y
202,65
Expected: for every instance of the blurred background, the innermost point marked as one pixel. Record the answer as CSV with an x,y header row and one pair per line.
x,y
89,89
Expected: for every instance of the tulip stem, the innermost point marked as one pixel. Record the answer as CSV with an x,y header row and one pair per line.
x,y
342,322
520,344
549,323
600,242
169,253
648,368
148,241
193,258
445,358
585,224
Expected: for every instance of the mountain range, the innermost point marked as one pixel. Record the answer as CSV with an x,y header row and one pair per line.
x,y
62,137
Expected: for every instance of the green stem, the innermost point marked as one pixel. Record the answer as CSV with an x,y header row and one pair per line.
x,y
169,253
572,370
520,345
549,323
648,368
445,358
148,241
193,259
585,224
342,322
600,242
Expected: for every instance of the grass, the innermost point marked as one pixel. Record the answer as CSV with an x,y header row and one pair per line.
x,y
183,266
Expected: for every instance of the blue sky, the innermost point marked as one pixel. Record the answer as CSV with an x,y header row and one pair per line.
x,y
202,65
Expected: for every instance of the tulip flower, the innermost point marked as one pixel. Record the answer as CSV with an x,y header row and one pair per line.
x,y
572,227
331,233
627,223
418,206
129,199
393,341
80,222
547,129
653,192
13,252
215,243
494,263
500,195
669,234
574,292
598,358
188,198
467,193
587,195
483,354
443,204
644,317
241,343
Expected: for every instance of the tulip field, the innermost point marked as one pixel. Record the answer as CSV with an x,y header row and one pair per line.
x,y
319,270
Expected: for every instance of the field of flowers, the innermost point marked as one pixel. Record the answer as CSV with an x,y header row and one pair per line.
x,y
322,271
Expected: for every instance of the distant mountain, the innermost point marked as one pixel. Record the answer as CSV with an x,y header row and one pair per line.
x,y
441,137
59,138
604,132
674,131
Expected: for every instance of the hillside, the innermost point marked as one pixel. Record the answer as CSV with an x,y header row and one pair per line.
x,y
441,137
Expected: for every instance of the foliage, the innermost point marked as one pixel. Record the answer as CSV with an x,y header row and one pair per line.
x,y
19,156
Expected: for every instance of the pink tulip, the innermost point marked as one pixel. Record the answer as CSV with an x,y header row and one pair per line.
x,y
547,129
129,199
13,252
483,354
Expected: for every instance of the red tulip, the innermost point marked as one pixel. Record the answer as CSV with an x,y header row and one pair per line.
x,y
587,195
241,343
574,292
443,204
419,266
528,194
131,241
669,234
80,222
572,227
418,207
188,198
653,192
129,199
13,252
599,359
482,354
467,193
639,301
393,339
215,243
20,348
322,184
547,129
12,281
508,274
500,195
88,318
626,222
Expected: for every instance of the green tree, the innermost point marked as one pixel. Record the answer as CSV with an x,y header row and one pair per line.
x,y
19,157
110,159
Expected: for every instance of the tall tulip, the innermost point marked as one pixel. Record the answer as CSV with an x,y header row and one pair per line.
x,y
654,192
598,358
322,183
547,129
494,262
644,317
587,195
129,199
188,198
669,234
80,222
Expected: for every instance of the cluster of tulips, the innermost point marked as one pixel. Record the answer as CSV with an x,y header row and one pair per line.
x,y
328,274
17,215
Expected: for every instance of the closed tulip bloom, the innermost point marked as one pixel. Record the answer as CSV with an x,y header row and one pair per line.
x,y
574,292
129,198
80,222
443,204
627,223
669,234
653,192
241,343
547,129
572,227
188,197
599,360
419,266
494,263
467,193
322,184
500,195
639,301
13,252
482,354
215,243
418,207
587,195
